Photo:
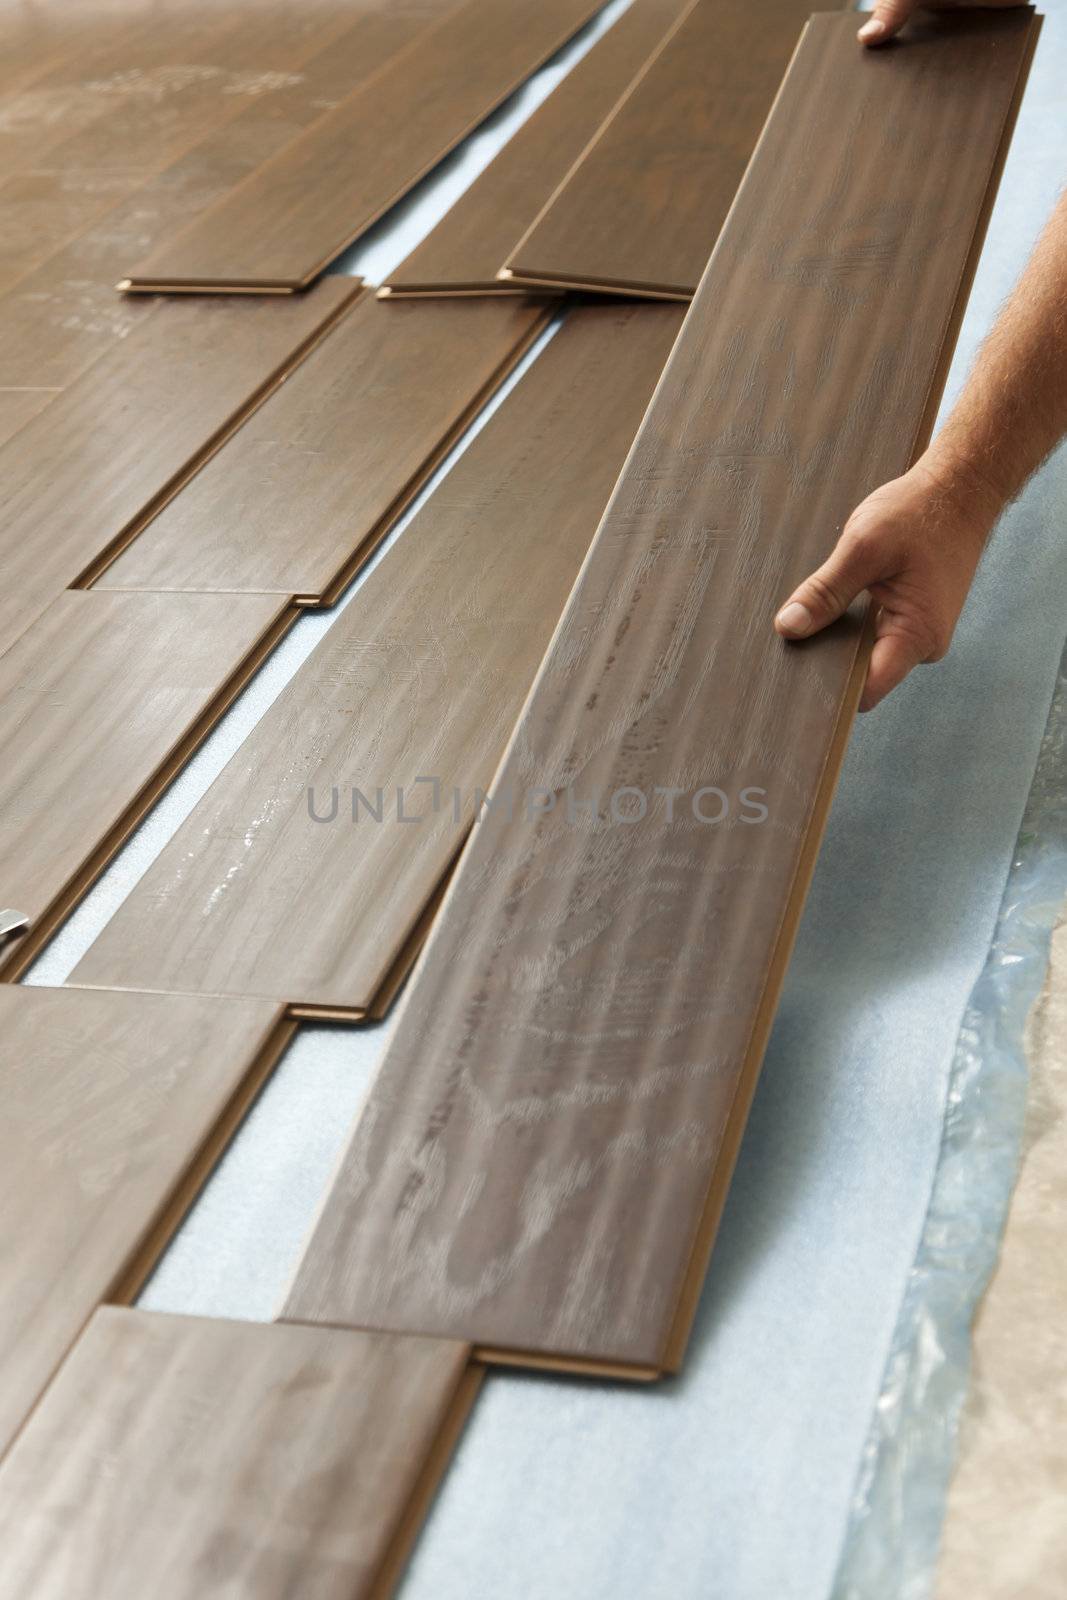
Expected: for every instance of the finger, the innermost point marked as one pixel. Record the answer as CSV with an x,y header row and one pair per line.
x,y
887,19
828,593
892,658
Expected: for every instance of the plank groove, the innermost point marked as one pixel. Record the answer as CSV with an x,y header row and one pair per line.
x,y
111,1102
311,484
470,244
423,674
641,210
183,1457
283,226
80,475
100,694
544,1154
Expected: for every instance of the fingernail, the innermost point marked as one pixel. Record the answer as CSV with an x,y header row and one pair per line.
x,y
794,618
871,30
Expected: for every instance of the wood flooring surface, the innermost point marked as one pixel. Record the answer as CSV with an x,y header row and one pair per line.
x,y
58,319
421,676
183,1458
282,226
96,695
470,244
311,483
78,476
189,83
109,1101
544,1154
643,207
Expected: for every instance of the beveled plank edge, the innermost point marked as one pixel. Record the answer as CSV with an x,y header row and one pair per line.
x,y
158,286
407,1529
29,946
447,291
121,541
160,1228
351,567
707,1228
640,291
141,284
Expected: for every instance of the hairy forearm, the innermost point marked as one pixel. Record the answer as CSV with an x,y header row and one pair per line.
x,y
1013,408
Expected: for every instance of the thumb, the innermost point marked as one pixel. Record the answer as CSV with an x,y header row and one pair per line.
x,y
887,18
831,589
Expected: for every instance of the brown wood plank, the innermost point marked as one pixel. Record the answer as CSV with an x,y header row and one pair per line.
x,y
182,85
470,244
311,484
282,226
182,1457
61,317
423,674
118,442
103,697
545,1152
114,1109
641,210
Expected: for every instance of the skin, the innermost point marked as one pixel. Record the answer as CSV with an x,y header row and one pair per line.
x,y
915,543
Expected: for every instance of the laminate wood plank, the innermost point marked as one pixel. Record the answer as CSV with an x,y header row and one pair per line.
x,y
182,1457
313,482
101,695
422,675
111,1109
182,86
58,319
641,210
470,244
118,442
232,98
282,226
545,1152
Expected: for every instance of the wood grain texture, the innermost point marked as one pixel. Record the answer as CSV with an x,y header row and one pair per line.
x,y
311,484
185,1457
56,321
101,693
544,1155
423,674
470,244
643,207
80,476
282,226
184,85
110,1102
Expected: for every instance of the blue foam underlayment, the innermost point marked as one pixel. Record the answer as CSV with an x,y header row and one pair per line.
x,y
735,1481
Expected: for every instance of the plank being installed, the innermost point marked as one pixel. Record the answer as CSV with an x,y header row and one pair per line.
x,y
642,207
420,678
470,244
89,469
105,696
311,484
184,1457
544,1154
115,1108
281,227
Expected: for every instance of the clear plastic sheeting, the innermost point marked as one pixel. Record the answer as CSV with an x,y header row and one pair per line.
x,y
898,1507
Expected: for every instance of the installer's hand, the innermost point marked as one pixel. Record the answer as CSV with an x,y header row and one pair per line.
x,y
915,544
889,16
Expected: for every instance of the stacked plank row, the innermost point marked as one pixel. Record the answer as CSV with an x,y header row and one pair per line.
x,y
538,1174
